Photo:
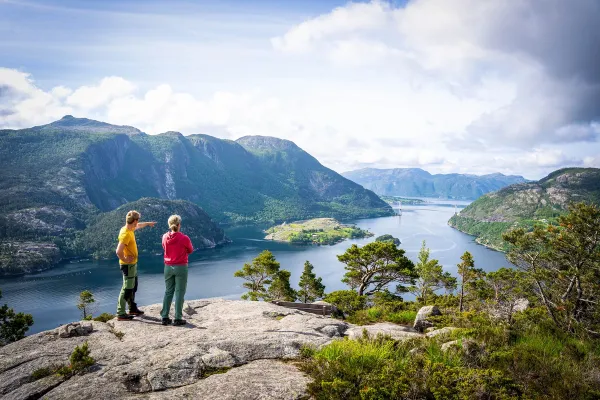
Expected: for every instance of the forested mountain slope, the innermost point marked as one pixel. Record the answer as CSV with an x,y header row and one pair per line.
x,y
527,204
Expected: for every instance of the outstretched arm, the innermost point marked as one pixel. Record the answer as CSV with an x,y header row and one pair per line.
x,y
141,225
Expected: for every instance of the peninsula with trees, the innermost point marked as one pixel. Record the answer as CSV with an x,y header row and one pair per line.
x,y
321,231
527,205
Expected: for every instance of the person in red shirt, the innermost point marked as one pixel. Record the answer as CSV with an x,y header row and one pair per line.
x,y
177,246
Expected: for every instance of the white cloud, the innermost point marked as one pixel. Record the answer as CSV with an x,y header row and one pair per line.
x,y
592,161
23,104
343,20
60,92
459,45
89,97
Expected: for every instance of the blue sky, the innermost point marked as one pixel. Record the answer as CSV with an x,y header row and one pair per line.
x,y
445,85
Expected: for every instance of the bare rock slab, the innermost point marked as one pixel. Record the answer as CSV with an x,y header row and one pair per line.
x,y
398,332
144,358
441,332
261,379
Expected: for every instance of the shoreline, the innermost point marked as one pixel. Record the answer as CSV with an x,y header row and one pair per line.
x,y
476,240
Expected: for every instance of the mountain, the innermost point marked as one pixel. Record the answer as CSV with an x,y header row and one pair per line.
x,y
415,182
56,180
527,204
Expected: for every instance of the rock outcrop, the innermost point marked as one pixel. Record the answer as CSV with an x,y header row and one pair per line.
x,y
397,332
421,322
228,350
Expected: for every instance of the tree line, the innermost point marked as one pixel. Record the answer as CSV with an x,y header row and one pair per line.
x,y
555,265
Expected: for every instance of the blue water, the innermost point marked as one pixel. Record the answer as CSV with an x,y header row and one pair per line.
x,y
51,296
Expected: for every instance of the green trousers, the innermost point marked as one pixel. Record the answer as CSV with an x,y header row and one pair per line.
x,y
175,283
130,285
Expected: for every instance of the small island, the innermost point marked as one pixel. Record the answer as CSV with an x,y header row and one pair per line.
x,y
393,200
315,231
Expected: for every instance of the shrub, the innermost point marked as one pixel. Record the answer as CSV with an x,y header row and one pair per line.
x,y
104,317
530,358
406,317
382,368
43,372
79,360
347,301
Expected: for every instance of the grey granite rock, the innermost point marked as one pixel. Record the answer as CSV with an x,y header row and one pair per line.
x,y
398,332
144,358
421,322
441,332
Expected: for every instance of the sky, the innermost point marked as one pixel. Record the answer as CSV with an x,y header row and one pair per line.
x,y
450,86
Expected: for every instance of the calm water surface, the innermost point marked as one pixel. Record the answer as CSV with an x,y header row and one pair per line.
x,y
51,296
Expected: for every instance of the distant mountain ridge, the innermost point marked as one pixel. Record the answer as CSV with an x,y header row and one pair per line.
x,y
75,169
527,204
416,182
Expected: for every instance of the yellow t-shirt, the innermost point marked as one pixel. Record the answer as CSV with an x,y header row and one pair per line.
x,y
127,237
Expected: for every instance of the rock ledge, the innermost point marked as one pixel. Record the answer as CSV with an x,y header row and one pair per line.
x,y
246,342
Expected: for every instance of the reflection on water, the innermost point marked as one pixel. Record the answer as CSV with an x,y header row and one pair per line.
x,y
51,296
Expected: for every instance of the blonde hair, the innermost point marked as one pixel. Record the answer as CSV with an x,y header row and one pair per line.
x,y
174,222
132,216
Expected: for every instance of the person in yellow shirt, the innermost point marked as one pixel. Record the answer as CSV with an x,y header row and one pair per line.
x,y
128,257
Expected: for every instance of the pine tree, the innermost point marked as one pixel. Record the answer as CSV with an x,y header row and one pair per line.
x,y
431,276
258,274
280,288
563,262
373,267
85,299
311,287
468,274
13,326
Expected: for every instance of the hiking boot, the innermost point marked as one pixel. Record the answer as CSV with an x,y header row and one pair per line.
x,y
167,321
179,322
124,317
136,311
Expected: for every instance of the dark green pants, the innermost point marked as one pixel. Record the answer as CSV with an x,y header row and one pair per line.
x,y
130,285
175,283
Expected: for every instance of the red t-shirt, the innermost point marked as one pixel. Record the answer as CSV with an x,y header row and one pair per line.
x,y
177,247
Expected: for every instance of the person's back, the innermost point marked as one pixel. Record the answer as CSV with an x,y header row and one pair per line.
x,y
177,246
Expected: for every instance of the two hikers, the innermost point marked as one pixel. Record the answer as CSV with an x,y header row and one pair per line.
x,y
176,247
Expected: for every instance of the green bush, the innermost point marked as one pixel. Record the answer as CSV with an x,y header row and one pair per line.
x,y
527,359
43,372
347,301
382,368
79,360
104,317
406,317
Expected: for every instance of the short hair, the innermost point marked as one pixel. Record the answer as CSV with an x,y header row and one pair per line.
x,y
174,222
132,216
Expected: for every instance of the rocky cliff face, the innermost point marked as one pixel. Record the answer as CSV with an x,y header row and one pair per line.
x,y
247,343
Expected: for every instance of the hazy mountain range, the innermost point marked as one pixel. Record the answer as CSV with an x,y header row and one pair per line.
x,y
415,182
